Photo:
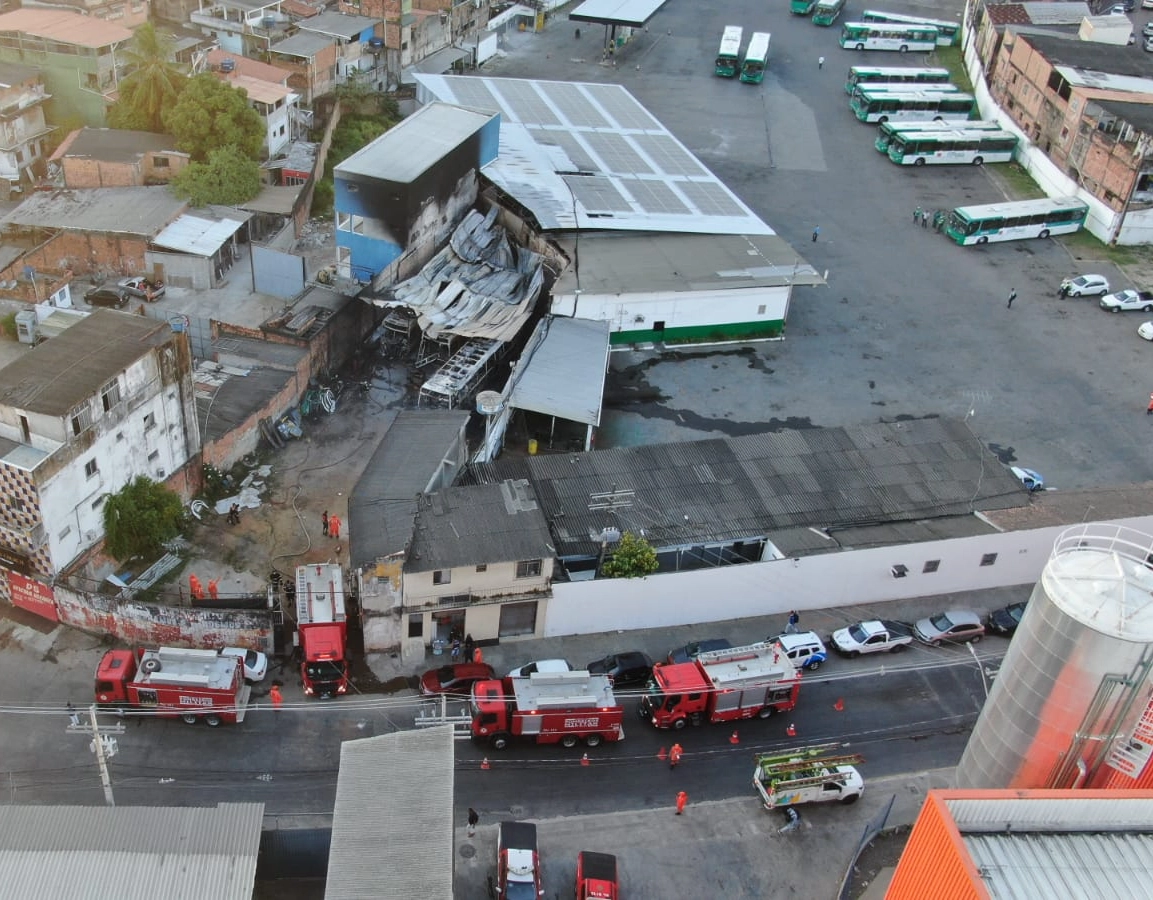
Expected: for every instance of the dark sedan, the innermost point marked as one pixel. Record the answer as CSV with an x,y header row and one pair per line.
x,y
693,649
627,670
456,678
1006,619
113,298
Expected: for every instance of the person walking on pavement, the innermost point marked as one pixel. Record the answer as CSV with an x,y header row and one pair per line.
x,y
820,62
1012,297
675,756
816,233
456,649
925,219
682,799
212,589
473,818
469,644
794,620
275,696
334,527
324,523
917,216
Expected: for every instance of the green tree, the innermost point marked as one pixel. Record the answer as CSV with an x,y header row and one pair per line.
x,y
139,518
634,557
228,177
210,114
152,84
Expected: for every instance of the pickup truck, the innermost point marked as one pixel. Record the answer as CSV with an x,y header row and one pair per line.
x,y
874,636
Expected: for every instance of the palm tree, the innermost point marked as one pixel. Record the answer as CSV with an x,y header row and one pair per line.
x,y
152,84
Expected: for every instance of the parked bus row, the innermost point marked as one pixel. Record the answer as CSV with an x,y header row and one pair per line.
x,y
823,12
948,33
902,102
937,143
751,66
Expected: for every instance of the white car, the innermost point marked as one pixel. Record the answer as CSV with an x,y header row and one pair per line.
x,y
255,662
1085,286
1147,4
1128,301
1031,479
1146,330
549,666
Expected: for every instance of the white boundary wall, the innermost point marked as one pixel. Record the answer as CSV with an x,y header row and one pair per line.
x,y
850,577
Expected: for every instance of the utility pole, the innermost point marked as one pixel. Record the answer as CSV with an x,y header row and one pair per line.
x,y
103,744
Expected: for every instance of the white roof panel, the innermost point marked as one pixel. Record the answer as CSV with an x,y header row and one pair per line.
x,y
589,156
620,12
392,836
192,234
565,375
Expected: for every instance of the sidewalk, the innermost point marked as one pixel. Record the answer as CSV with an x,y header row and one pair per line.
x,y
581,649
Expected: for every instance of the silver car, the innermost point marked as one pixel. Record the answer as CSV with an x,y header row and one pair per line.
x,y
955,625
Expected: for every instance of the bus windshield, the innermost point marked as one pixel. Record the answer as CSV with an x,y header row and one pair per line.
x,y
826,12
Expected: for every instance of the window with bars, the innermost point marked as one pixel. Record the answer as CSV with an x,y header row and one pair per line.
x,y
110,395
528,568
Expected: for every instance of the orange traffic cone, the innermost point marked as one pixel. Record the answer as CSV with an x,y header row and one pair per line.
x,y
791,731
585,760
734,738
663,754
839,706
484,763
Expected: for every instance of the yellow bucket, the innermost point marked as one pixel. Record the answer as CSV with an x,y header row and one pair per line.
x,y
532,445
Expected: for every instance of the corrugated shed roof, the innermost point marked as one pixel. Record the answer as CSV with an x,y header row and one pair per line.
x,y
725,489
409,458
392,837
583,155
130,852
53,377
466,526
415,144
1050,814
565,376
344,25
304,43
1090,58
65,26
124,210
1049,13
116,144
197,235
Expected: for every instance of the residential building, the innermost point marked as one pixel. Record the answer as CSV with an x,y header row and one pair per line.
x,y
274,103
407,189
129,13
112,157
78,57
311,60
1087,108
416,29
244,27
358,40
22,125
480,563
81,416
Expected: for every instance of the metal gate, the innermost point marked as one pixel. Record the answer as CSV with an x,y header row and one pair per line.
x,y
517,619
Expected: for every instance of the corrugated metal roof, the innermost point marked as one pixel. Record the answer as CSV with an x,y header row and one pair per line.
x,y
467,526
725,489
410,457
1088,58
565,376
304,44
115,144
55,376
130,852
1049,13
197,235
345,25
65,26
414,145
618,12
1051,814
582,155
123,210
392,837
621,263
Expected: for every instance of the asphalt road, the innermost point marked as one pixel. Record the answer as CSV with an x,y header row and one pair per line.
x,y
910,324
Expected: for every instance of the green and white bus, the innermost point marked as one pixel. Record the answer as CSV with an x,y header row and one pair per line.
x,y
756,58
826,12
895,75
880,36
801,7
957,147
948,33
729,56
877,105
886,131
1016,221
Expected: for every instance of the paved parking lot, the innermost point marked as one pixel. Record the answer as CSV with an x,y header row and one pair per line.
x,y
910,324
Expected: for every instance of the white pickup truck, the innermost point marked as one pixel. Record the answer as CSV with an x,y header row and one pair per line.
x,y
874,636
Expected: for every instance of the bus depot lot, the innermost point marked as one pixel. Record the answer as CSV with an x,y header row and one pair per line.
x,y
910,324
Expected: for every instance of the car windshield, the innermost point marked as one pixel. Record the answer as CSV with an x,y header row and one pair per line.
x,y
250,658
857,633
941,622
324,670
1081,281
520,890
1016,612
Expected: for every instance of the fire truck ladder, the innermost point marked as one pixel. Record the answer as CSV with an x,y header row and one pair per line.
x,y
750,651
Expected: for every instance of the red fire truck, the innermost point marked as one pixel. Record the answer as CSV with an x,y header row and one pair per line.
x,y
722,686
323,633
192,684
547,708
596,876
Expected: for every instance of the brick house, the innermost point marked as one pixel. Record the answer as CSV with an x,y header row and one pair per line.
x,y
111,157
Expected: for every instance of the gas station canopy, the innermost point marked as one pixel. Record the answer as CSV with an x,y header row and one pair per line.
x,y
616,12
